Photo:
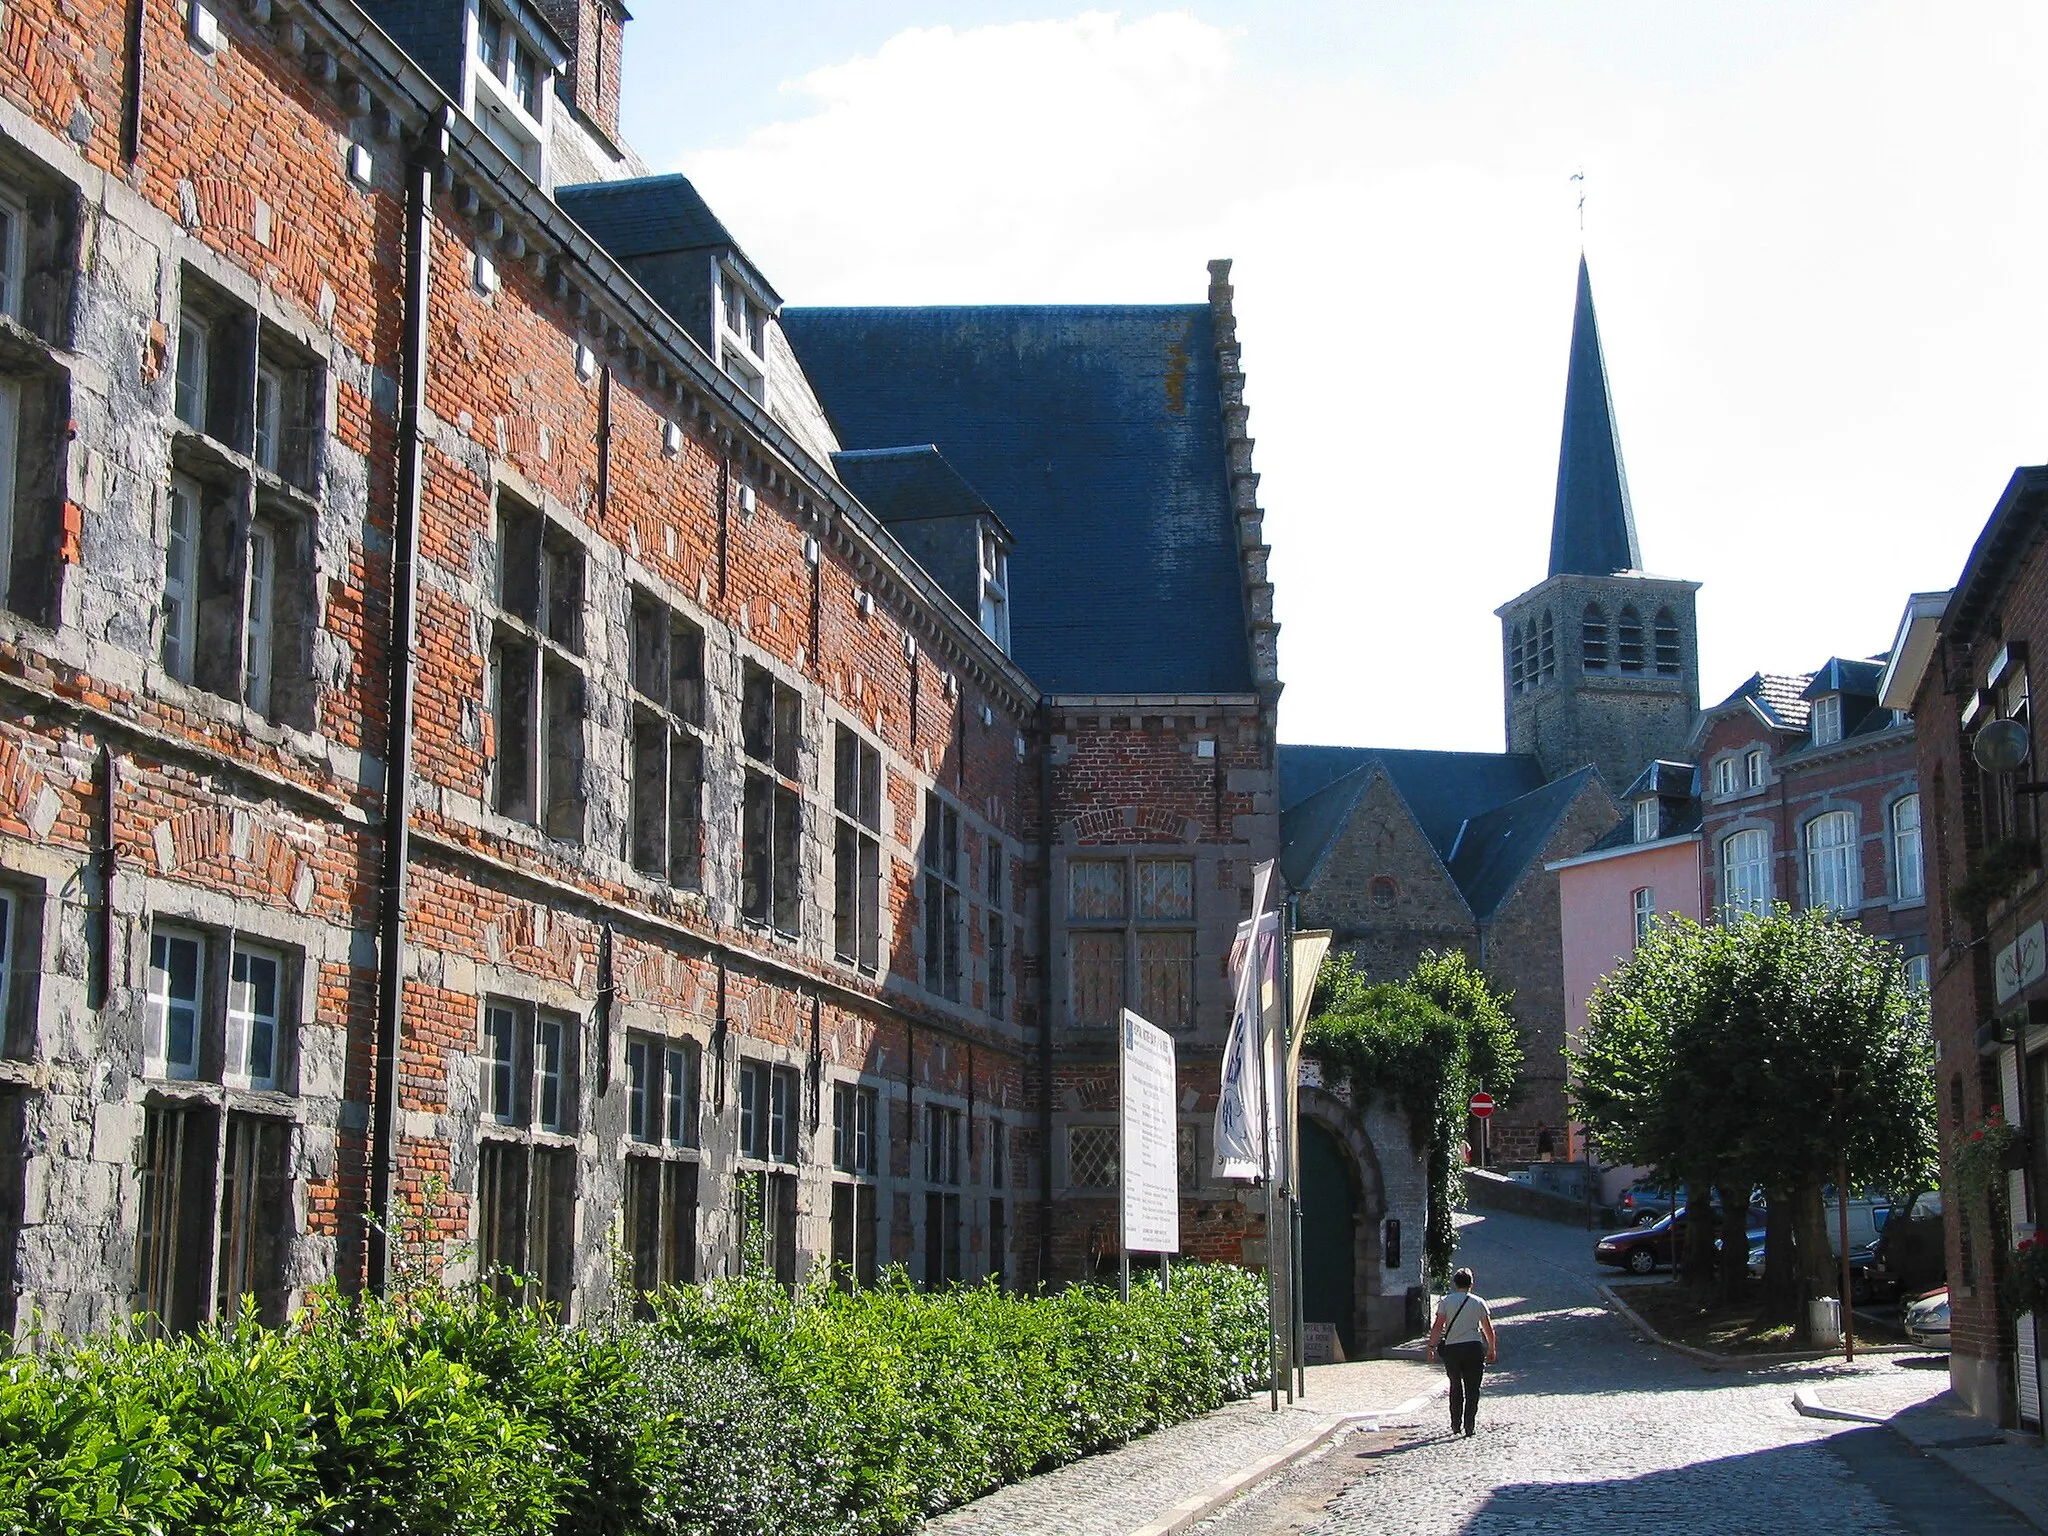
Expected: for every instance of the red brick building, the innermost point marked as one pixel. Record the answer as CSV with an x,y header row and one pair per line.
x,y
468,750
1809,794
1961,663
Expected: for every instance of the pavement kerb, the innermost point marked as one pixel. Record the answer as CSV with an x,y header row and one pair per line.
x,y
1806,1402
1199,1506
1720,1362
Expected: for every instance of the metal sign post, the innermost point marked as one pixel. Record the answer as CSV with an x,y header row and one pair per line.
x,y
1148,1209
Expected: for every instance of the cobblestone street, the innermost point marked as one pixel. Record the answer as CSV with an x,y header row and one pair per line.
x,y
1585,1428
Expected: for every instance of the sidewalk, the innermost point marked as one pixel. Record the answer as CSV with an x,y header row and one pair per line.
x,y
1168,1480
2013,1470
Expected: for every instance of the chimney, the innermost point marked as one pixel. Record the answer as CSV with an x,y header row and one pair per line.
x,y
595,32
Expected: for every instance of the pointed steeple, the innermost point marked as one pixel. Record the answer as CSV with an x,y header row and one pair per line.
x,y
1593,529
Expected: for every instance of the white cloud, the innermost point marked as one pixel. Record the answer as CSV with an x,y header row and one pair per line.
x,y
1812,250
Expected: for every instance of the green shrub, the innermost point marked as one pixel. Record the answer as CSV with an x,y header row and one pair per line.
x,y
739,1409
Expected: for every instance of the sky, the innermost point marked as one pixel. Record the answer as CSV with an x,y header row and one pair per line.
x,y
1816,230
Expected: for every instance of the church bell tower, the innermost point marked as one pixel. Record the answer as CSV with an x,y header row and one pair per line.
x,y
1600,660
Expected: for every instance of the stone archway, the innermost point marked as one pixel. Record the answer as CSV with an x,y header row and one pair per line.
x,y
1343,1203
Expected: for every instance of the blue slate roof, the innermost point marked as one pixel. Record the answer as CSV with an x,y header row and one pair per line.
x,y
651,216
1497,846
905,485
1443,789
1842,675
1096,432
1664,778
1592,527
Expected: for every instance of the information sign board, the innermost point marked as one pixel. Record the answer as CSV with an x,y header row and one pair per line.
x,y
1150,1139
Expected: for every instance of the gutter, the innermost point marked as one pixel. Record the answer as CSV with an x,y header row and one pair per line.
x,y
422,166
1045,993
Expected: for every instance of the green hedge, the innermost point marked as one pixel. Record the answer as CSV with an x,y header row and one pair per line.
x,y
737,1409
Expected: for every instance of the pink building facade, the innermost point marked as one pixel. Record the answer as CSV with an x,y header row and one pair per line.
x,y
1646,868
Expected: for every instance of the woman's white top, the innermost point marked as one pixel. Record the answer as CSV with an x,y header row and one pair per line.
x,y
1462,1312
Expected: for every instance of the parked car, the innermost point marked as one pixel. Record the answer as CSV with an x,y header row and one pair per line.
x,y
1642,1204
1641,1250
1926,1319
1911,1253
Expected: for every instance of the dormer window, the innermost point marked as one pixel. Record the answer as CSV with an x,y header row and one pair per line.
x,y
995,587
1827,719
743,334
1725,776
1648,821
509,87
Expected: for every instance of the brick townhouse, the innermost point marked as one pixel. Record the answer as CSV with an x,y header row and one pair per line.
x,y
480,732
1809,794
1961,662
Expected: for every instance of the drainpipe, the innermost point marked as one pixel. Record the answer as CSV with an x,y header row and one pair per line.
x,y
1044,992
421,168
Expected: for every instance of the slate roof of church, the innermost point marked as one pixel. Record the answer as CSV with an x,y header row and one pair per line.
x,y
1320,786
1096,432
1497,846
1592,526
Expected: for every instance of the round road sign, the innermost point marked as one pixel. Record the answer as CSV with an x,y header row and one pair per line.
x,y
1482,1104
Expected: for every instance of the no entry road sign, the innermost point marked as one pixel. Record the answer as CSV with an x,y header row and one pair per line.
x,y
1482,1104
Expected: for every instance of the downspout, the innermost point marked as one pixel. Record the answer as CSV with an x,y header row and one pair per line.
x,y
421,168
1044,992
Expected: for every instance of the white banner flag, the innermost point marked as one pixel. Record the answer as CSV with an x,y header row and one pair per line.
x,y
1247,1102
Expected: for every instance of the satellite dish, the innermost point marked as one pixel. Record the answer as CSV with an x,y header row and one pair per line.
x,y
2001,746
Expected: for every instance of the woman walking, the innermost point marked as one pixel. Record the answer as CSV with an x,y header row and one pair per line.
x,y
1463,1333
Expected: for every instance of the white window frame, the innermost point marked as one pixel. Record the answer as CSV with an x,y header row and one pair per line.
x,y
1753,767
163,1003
494,97
189,374
268,443
995,588
663,1091
258,610
254,1036
10,458
1909,870
1647,819
1745,877
1832,865
1916,972
498,1060
13,253
551,1036
181,558
1825,721
1644,902
1725,776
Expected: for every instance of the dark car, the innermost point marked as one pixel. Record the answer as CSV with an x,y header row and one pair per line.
x,y
1642,1250
1642,1204
1911,1253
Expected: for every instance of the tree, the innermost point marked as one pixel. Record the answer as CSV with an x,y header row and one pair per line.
x,y
1776,1051
1425,1044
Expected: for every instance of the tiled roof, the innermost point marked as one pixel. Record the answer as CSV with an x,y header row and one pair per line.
x,y
1096,433
1780,695
1496,847
1592,527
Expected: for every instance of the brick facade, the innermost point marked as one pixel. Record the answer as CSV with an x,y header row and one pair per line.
x,y
621,553
1963,660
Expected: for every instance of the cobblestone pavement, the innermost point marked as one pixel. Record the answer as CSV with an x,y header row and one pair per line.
x,y
1119,1491
1583,1428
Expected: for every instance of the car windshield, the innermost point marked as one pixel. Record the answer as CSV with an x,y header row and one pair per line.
x,y
1927,1206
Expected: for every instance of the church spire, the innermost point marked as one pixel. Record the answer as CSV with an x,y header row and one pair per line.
x,y
1593,529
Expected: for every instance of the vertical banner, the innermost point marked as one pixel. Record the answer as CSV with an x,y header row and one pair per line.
x,y
1150,1139
1246,1102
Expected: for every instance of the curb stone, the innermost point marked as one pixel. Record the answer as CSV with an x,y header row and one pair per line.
x,y
1806,1402
1719,1362
1199,1506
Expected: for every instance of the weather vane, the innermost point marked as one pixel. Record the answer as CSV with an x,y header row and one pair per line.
x,y
1580,178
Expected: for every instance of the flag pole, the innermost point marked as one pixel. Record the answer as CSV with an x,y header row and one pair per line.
x,y
1288,1354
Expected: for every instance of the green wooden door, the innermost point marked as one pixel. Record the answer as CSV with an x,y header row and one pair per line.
x,y
1329,1218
